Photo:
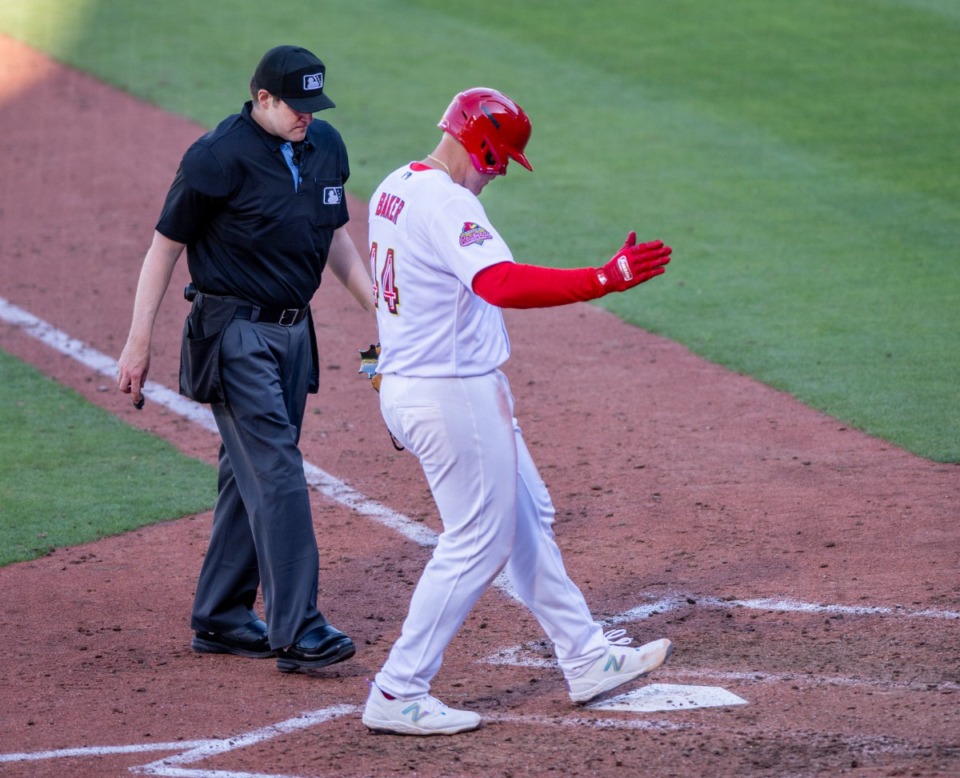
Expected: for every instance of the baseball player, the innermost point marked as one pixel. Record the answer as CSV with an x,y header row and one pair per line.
x,y
442,274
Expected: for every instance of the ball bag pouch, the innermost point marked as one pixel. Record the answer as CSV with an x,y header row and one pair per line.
x,y
200,348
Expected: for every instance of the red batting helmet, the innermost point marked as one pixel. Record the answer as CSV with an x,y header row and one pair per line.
x,y
491,127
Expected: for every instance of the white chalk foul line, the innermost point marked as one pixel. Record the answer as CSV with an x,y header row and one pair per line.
x,y
192,751
192,772
67,753
101,363
173,766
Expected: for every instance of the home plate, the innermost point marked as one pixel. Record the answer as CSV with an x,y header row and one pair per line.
x,y
668,696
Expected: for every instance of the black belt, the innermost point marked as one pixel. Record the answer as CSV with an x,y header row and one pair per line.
x,y
286,317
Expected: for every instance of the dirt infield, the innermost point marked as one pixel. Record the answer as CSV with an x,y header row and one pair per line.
x,y
806,568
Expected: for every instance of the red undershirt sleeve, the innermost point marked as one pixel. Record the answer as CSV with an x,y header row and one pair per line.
x,y
509,285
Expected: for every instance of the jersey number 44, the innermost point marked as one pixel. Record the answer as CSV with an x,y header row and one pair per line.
x,y
384,282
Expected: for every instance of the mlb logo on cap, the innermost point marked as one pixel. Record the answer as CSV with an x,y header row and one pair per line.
x,y
296,76
313,81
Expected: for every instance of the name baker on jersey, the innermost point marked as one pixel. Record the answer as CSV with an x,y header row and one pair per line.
x,y
389,207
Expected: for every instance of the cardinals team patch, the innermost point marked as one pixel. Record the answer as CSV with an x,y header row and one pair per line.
x,y
473,233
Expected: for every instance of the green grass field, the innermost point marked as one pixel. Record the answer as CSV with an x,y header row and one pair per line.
x,y
799,155
66,486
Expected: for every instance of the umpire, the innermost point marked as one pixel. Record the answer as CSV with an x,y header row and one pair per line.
x,y
259,205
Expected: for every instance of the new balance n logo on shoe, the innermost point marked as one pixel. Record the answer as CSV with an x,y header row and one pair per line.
x,y
415,713
615,664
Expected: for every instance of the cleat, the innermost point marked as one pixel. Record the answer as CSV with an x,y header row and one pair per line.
x,y
618,666
423,716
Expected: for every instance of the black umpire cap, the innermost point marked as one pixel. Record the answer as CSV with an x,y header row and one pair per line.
x,y
294,75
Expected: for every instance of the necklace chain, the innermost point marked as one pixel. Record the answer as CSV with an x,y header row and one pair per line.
x,y
440,162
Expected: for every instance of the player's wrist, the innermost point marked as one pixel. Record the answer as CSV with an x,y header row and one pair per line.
x,y
606,280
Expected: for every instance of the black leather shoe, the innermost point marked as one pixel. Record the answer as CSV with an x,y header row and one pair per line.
x,y
320,647
248,640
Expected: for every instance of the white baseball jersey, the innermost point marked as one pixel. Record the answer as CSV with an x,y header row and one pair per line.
x,y
431,236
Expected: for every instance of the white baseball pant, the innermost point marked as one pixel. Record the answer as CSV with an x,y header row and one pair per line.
x,y
496,511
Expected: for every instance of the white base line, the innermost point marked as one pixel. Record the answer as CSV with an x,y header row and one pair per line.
x,y
191,751
67,753
172,765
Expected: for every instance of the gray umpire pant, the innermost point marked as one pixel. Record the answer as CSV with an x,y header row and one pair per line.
x,y
262,524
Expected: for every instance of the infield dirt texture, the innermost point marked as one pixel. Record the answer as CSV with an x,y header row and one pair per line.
x,y
803,567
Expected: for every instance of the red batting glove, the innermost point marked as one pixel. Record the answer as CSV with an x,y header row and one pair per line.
x,y
633,264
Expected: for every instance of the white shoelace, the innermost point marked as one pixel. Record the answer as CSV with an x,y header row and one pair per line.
x,y
616,637
432,704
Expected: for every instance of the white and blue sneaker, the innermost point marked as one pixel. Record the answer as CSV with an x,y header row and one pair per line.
x,y
618,666
423,716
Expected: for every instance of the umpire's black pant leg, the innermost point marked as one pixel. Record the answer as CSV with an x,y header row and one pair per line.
x,y
265,371
230,575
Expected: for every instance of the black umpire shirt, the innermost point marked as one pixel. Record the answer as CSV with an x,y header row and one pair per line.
x,y
249,233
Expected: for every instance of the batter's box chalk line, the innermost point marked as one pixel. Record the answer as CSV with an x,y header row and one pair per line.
x,y
532,654
667,697
651,698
